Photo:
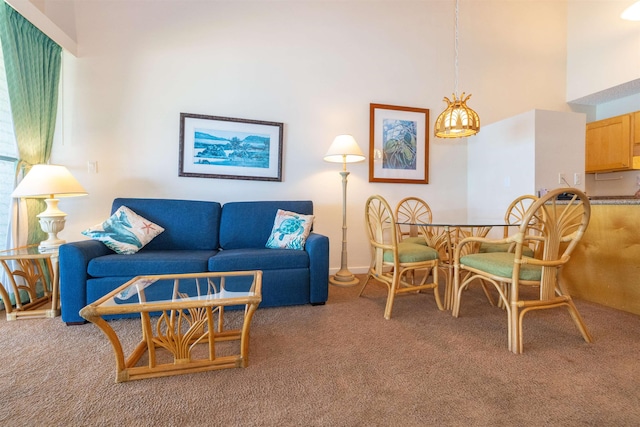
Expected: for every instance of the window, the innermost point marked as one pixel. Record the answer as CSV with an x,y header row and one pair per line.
x,y
8,156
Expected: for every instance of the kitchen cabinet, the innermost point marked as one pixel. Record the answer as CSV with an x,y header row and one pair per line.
x,y
636,132
613,144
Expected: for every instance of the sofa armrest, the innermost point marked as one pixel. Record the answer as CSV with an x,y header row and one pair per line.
x,y
317,245
74,259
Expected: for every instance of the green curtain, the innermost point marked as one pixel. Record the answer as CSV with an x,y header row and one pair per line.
x,y
32,64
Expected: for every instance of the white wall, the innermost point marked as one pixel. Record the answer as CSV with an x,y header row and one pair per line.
x,y
314,65
521,155
603,50
501,166
560,145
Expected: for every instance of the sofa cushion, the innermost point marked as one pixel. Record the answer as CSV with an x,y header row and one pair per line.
x,y
188,224
249,224
290,230
258,259
150,262
125,232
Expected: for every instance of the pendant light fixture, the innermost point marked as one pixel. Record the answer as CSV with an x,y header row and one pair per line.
x,y
457,120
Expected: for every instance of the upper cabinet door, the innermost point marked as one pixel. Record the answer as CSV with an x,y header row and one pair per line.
x,y
635,124
609,146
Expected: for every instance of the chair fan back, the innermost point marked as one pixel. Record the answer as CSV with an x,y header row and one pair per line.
x,y
557,226
517,210
412,211
380,227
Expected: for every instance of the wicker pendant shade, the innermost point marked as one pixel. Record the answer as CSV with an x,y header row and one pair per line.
x,y
458,120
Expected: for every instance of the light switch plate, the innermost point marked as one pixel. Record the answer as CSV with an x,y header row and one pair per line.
x,y
92,167
562,178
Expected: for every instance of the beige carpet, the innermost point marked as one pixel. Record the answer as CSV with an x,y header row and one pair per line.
x,y
342,364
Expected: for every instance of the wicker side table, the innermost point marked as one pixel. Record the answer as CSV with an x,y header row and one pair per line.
x,y
35,275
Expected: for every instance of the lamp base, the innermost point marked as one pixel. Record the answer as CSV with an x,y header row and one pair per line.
x,y
52,221
344,278
46,247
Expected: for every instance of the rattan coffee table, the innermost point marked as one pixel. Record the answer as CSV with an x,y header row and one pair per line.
x,y
183,316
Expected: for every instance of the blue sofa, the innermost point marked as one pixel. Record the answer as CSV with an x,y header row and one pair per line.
x,y
199,236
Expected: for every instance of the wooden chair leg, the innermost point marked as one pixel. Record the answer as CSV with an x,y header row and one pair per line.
x,y
514,328
456,293
578,321
391,294
486,292
436,292
364,285
389,305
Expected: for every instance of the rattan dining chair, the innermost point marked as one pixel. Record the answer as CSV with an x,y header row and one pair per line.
x,y
558,226
513,215
392,262
410,212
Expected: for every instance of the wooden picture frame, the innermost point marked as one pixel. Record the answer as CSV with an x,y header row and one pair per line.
x,y
398,144
228,148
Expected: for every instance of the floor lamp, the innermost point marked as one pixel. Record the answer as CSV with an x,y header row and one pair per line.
x,y
49,182
344,149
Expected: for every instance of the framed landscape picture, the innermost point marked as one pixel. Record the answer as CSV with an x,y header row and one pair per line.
x,y
398,144
223,147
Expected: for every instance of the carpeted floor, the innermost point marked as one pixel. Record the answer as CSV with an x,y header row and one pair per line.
x,y
342,364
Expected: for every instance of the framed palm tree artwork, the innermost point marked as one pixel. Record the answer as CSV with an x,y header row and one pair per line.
x,y
398,144
228,148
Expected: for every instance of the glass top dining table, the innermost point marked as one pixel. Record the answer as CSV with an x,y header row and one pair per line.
x,y
444,236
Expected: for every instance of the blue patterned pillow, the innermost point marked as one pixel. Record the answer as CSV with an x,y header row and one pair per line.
x,y
290,230
125,232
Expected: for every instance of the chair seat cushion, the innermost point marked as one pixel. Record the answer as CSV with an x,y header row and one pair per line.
x,y
417,239
501,264
502,247
412,252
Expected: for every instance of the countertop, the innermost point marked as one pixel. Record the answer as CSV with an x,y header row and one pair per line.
x,y
614,200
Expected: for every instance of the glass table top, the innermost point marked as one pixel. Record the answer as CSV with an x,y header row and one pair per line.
x,y
465,224
30,251
182,289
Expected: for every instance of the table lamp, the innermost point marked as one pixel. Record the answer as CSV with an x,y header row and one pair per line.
x,y
344,149
49,182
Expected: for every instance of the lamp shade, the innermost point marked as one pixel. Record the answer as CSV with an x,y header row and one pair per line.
x,y
48,181
457,120
344,149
